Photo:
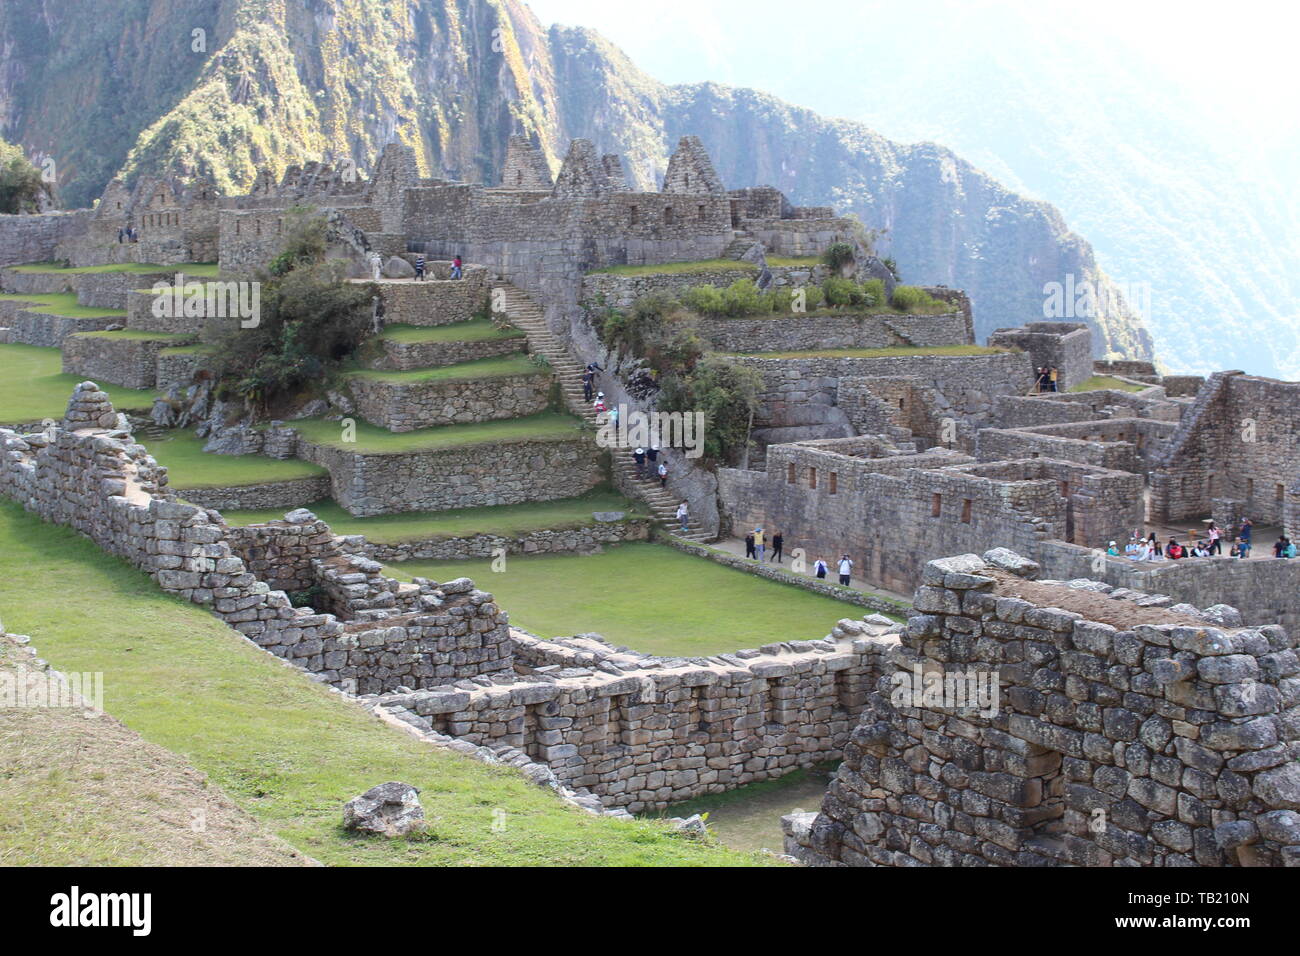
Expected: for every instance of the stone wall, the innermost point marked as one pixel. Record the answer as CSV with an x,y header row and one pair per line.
x,y
125,361
1065,346
797,333
501,473
109,290
36,238
291,493
407,405
1126,444
435,301
587,539
642,732
405,356
1240,440
28,326
1121,735
176,367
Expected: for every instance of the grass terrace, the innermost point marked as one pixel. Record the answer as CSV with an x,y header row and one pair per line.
x,y
189,466
897,351
1097,382
138,335
647,596
288,751
198,270
505,520
63,304
33,386
370,439
793,262
478,369
475,330
680,268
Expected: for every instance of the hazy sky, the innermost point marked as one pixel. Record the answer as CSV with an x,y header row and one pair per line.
x,y
1240,59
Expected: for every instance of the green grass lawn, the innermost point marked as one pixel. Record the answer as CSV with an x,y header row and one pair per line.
x,y
891,352
475,330
138,335
504,520
796,262
189,466
370,439
679,268
62,303
1107,381
288,751
478,369
33,387
648,597
196,269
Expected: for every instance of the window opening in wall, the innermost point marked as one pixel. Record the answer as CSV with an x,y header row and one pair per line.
x,y
833,485
965,511
1279,492
614,722
634,215
812,477
791,477
772,712
936,504
668,215
1250,487
702,213
697,710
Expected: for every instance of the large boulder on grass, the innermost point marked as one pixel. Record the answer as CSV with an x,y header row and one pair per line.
x,y
390,809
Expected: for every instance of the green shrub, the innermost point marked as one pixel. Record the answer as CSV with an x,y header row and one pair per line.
x,y
742,298
21,185
908,298
838,255
841,292
727,394
781,299
631,332
813,297
706,300
873,292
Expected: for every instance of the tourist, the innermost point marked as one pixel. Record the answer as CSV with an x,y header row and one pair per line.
x,y
663,475
1236,549
638,456
683,516
652,455
1216,534
778,540
613,416
1279,548
759,549
820,568
121,234
1133,549
1247,526
587,380
455,268
749,545
1040,381
1052,376
1174,551
1243,548
376,266
419,267
599,403
1112,550
1200,551
846,570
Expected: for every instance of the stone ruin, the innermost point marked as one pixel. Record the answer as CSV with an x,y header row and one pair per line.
x,y
1122,731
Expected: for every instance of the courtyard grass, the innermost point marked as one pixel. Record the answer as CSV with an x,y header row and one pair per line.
x,y
33,386
1106,381
646,596
196,269
189,466
285,749
373,440
62,304
472,371
474,330
504,520
679,268
895,351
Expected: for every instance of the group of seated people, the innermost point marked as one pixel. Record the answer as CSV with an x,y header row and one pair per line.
x,y
1149,548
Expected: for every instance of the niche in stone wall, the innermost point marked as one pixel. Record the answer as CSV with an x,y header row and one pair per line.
x,y
615,723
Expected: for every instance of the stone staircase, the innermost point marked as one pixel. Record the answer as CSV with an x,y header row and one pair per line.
x,y
527,315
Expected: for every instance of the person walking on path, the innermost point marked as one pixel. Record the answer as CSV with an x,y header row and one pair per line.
x,y
663,475
759,549
638,456
683,516
778,540
749,545
820,568
846,569
455,268
587,379
419,267
652,456
1216,537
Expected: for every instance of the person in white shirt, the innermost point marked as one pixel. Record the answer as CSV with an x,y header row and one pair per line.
x,y
820,568
846,569
682,516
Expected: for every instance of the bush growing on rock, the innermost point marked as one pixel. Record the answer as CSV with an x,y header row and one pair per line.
x,y
906,298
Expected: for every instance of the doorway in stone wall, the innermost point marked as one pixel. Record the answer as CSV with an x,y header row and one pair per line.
x,y
735,214
1064,487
